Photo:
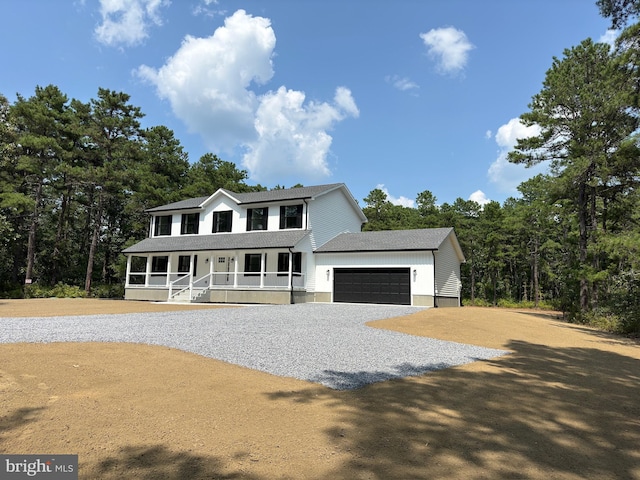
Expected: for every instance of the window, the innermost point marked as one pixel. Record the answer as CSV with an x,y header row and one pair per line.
x,y
257,218
162,225
283,263
159,264
291,216
253,263
138,270
138,264
184,263
222,221
190,223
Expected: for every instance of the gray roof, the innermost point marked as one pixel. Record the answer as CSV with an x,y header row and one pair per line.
x,y
190,203
253,197
219,241
283,194
387,240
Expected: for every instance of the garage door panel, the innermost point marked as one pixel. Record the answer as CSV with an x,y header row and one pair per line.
x,y
372,285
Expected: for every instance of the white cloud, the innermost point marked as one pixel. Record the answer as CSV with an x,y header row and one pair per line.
x,y
404,201
479,197
206,8
609,37
292,136
488,134
401,83
209,82
507,176
449,47
127,22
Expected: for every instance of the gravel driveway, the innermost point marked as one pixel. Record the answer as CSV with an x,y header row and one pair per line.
x,y
323,343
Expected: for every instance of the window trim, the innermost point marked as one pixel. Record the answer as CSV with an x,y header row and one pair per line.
x,y
181,268
284,217
216,221
155,266
296,268
264,220
184,223
157,224
247,264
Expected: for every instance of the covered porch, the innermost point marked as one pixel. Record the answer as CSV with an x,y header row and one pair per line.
x,y
190,277
156,271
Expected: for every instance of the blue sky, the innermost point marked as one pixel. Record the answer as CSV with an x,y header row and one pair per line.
x,y
406,96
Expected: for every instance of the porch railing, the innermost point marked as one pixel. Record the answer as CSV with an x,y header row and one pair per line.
x,y
179,283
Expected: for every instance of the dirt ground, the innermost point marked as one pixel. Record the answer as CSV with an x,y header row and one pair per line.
x,y
565,404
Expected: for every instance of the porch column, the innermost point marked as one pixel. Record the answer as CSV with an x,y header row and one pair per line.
x,y
148,271
126,282
168,282
236,261
291,269
262,269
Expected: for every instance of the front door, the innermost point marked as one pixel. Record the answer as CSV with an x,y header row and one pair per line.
x,y
221,268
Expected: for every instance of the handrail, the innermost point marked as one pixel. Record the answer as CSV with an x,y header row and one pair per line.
x,y
171,295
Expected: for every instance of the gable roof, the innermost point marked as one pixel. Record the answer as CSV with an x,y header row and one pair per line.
x,y
219,241
254,197
189,204
387,240
283,194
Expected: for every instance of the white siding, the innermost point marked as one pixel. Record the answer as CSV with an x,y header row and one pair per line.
x,y
420,265
331,214
221,204
447,269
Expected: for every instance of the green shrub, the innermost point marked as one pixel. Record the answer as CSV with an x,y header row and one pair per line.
x,y
108,291
60,290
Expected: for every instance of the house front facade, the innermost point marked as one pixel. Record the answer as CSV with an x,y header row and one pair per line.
x,y
288,246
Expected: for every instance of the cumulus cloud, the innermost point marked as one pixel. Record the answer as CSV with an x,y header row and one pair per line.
x,y
207,8
449,47
404,201
479,197
507,176
127,22
609,37
207,80
292,136
210,85
403,84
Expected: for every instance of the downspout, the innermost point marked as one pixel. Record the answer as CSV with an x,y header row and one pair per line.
x,y
306,214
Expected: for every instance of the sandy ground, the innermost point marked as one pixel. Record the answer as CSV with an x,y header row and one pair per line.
x,y
564,405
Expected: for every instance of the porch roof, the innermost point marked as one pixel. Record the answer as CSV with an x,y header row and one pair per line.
x,y
219,241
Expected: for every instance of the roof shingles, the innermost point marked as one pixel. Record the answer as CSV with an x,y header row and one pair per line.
x,y
387,240
219,241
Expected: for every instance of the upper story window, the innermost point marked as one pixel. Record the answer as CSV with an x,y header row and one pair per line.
x,y
291,216
222,221
162,225
257,218
190,223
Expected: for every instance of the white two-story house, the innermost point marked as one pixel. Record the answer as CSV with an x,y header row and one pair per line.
x,y
288,246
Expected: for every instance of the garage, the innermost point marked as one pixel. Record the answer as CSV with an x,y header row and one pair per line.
x,y
372,285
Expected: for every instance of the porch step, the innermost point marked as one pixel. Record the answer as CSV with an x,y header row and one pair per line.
x,y
182,297
199,296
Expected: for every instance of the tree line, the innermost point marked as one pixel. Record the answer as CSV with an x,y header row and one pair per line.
x,y
76,178
572,238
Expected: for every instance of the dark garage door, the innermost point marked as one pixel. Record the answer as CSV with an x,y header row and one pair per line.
x,y
372,285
